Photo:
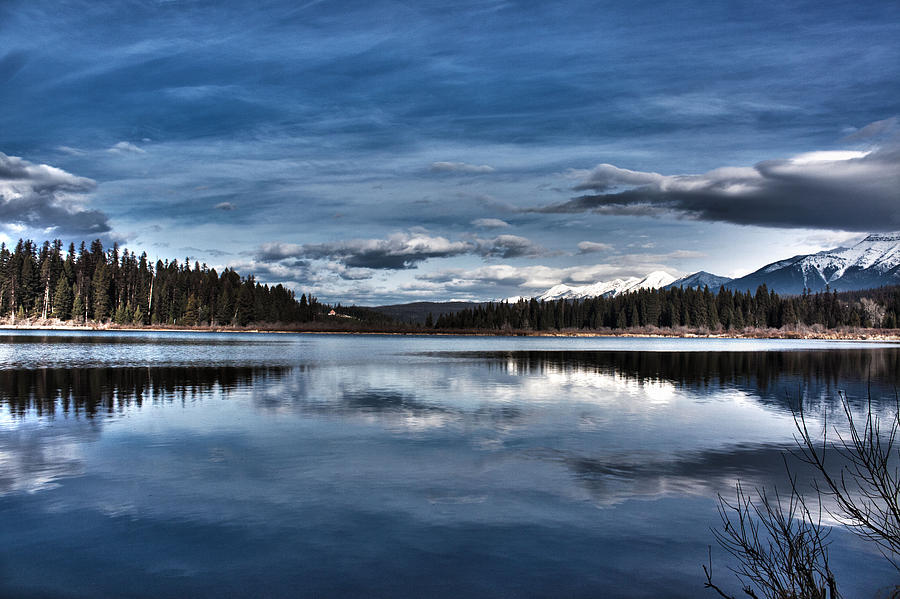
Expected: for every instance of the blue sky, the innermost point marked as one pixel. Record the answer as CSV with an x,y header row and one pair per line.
x,y
378,152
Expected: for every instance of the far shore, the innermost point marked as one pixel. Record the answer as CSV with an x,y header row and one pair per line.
x,y
342,328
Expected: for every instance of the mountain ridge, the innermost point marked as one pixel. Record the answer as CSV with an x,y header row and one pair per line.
x,y
613,288
700,279
872,262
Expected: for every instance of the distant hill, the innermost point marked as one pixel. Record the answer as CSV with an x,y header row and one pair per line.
x,y
700,280
417,312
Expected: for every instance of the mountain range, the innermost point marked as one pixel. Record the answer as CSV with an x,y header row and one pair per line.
x,y
654,280
873,262
700,280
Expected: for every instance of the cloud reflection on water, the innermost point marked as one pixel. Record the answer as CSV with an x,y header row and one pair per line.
x,y
421,452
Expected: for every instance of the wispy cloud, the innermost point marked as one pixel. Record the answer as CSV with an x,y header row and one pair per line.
x,y
71,151
126,147
460,167
209,251
489,223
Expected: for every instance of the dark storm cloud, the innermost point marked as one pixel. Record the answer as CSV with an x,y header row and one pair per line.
x,y
41,197
830,190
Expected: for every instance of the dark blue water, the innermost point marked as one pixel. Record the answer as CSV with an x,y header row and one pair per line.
x,y
176,465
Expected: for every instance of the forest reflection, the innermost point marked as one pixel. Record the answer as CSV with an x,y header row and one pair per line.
x,y
778,378
90,392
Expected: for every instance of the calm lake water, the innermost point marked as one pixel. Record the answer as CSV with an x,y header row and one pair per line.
x,y
217,465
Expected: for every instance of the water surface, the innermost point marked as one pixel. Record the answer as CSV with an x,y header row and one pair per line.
x,y
210,465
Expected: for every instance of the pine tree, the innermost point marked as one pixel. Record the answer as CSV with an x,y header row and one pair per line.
x,y
78,308
190,312
138,317
62,299
123,314
100,288
245,304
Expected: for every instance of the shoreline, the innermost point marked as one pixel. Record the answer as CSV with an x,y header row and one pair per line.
x,y
825,335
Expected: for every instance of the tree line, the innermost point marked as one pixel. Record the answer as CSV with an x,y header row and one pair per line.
x,y
95,284
690,308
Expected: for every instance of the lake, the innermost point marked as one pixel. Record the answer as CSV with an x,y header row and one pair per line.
x,y
267,465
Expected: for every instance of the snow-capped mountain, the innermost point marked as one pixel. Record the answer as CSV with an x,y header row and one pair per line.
x,y
873,262
700,280
612,288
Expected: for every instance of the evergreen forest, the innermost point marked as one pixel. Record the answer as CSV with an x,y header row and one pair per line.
x,y
92,284
690,308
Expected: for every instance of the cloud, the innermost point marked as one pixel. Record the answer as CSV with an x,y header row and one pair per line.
x,y
276,251
606,176
507,246
353,274
489,223
527,279
225,206
838,190
875,130
210,251
505,280
459,167
400,250
71,151
41,197
682,255
126,147
495,274
826,240
294,274
590,247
